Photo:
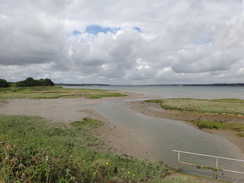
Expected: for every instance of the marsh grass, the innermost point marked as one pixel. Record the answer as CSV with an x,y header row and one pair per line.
x,y
43,92
33,149
240,134
178,179
208,124
219,106
238,127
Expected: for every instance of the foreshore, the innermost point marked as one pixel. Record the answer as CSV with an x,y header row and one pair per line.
x,y
123,140
68,110
155,110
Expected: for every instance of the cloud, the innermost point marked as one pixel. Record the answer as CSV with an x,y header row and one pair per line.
x,y
29,37
139,42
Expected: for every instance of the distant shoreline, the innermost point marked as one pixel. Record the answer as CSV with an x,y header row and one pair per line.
x,y
94,84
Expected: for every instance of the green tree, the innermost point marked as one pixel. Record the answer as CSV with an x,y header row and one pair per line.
x,y
32,82
46,82
4,83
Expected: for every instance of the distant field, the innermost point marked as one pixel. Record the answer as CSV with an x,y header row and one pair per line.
x,y
219,106
44,92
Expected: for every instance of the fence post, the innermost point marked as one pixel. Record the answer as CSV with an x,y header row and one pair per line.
x,y
178,161
217,167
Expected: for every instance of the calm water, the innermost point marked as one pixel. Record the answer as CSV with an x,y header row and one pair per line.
x,y
165,135
204,92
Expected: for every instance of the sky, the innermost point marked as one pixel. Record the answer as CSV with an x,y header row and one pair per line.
x,y
123,41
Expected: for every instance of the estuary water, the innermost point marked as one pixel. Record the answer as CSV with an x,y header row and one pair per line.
x,y
203,92
164,135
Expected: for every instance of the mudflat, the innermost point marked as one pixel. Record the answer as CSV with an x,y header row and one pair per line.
x,y
74,109
122,139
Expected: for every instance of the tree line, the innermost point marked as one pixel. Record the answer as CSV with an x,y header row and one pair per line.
x,y
28,82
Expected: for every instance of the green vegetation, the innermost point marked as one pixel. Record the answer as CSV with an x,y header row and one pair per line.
x,y
179,179
219,106
32,82
208,124
238,127
4,83
240,134
86,122
44,92
33,149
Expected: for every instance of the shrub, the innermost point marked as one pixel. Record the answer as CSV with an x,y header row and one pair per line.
x,y
4,83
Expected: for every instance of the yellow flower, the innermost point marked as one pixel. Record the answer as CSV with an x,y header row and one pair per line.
x,y
106,163
128,172
94,173
134,175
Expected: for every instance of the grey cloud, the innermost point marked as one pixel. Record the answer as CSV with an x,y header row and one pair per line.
x,y
180,41
107,54
29,37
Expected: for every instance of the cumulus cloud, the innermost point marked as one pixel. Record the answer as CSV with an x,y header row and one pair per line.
x,y
122,42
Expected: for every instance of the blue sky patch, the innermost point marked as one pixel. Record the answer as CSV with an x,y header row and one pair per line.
x,y
137,29
95,29
74,33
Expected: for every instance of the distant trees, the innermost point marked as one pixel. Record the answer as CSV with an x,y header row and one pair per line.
x,y
32,82
4,83
28,82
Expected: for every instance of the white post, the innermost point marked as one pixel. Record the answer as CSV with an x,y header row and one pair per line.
x,y
217,167
178,161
